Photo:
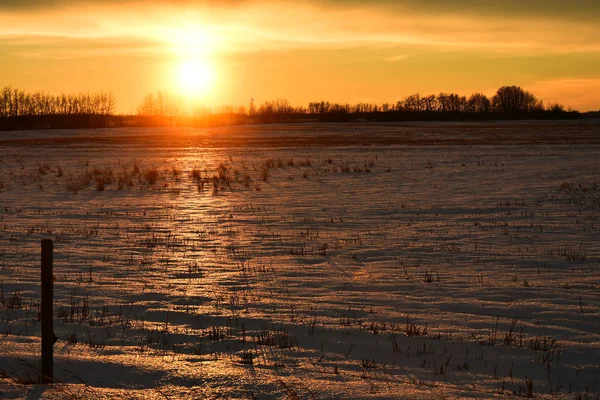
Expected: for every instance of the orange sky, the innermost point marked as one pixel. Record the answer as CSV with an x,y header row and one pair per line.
x,y
334,50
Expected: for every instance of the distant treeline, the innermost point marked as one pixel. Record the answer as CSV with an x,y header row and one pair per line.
x,y
39,110
509,102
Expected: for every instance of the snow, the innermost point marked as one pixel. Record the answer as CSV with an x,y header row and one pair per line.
x,y
354,261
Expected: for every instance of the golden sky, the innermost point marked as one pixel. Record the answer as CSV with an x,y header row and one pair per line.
x,y
336,50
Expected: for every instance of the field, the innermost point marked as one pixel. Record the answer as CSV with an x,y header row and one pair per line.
x,y
358,261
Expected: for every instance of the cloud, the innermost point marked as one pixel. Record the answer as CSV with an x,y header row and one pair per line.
x,y
29,5
66,47
553,9
252,26
397,58
577,9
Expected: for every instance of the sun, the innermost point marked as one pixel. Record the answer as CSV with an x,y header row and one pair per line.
x,y
195,78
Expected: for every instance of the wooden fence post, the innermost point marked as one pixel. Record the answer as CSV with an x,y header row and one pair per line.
x,y
47,318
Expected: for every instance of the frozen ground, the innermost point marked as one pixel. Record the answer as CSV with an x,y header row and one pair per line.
x,y
305,261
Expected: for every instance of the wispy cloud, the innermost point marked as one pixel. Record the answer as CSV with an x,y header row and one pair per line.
x,y
247,26
67,47
397,58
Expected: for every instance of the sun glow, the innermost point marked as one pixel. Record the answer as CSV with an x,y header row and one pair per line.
x,y
192,40
195,78
194,47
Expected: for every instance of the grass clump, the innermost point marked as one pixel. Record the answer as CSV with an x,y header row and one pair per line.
x,y
151,176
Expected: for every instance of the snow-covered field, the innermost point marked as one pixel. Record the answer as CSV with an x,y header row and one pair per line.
x,y
305,261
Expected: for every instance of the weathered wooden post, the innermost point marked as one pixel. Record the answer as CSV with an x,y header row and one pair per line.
x,y
47,319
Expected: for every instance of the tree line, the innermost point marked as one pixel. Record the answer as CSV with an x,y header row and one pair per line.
x,y
40,110
15,103
508,102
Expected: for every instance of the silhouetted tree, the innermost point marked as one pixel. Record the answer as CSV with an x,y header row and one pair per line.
x,y
479,103
556,108
412,103
514,99
162,104
430,103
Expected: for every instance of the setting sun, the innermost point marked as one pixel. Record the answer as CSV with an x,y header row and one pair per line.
x,y
195,78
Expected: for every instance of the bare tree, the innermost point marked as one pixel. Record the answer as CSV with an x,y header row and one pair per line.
x,y
479,103
511,99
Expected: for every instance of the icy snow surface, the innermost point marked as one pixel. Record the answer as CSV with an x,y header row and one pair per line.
x,y
349,261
